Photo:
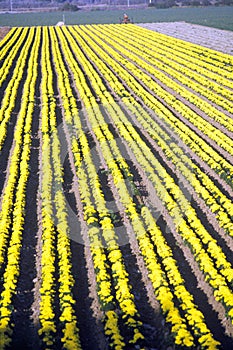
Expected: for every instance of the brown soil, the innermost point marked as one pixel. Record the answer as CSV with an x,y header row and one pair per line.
x,y
4,31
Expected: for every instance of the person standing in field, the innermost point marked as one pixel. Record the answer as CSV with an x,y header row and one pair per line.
x,y
126,18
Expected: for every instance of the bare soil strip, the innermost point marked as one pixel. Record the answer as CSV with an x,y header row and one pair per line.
x,y
4,31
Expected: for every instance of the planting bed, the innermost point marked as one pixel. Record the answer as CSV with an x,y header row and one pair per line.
x,y
116,169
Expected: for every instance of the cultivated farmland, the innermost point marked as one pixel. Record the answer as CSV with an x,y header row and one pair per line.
x,y
116,169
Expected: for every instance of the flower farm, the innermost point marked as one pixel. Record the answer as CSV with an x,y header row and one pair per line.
x,y
116,184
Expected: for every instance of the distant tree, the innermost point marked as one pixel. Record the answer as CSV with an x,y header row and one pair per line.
x,y
227,2
195,3
206,3
162,4
69,7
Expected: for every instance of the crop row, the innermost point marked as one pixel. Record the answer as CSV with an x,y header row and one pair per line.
x,y
13,197
125,110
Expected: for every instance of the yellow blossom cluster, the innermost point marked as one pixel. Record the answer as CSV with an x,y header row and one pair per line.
x,y
6,43
9,99
13,200
18,36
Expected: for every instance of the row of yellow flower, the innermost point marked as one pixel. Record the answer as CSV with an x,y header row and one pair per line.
x,y
225,219
110,154
191,229
98,255
113,288
7,197
129,104
163,275
8,60
183,73
183,335
217,201
9,99
9,40
123,294
54,213
19,171
121,285
137,63
216,253
194,141
99,258
214,61
169,50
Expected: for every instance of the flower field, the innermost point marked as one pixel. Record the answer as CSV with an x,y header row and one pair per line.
x,y
116,184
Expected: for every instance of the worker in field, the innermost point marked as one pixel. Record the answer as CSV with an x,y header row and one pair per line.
x,y
126,18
